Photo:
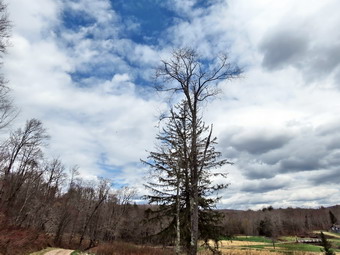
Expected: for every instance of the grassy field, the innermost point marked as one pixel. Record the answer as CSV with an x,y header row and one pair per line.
x,y
286,244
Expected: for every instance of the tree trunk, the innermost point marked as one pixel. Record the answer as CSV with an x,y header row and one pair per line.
x,y
194,182
178,225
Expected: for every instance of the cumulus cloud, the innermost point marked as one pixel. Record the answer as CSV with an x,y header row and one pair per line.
x,y
262,186
302,40
282,48
258,141
89,118
279,120
87,80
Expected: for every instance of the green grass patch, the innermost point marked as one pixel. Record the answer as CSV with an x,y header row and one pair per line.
x,y
81,253
287,238
259,239
300,247
284,244
259,246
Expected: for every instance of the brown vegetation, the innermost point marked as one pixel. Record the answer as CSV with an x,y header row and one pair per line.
x,y
121,248
16,240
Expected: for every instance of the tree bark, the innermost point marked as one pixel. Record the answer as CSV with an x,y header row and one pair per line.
x,y
178,223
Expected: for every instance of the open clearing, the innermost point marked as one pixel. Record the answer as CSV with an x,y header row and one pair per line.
x,y
262,245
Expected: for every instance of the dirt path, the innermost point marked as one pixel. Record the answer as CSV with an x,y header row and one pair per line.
x,y
59,252
331,234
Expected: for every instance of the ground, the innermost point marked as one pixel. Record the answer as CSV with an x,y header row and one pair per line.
x,y
262,245
239,245
59,252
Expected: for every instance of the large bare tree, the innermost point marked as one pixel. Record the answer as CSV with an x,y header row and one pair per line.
x,y
21,154
196,80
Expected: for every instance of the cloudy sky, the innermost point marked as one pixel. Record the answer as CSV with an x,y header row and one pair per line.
x,y
85,69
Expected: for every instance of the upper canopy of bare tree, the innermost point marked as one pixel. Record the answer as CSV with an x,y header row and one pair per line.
x,y
196,77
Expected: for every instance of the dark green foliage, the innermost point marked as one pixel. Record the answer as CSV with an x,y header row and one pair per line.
x,y
326,245
332,217
265,228
171,170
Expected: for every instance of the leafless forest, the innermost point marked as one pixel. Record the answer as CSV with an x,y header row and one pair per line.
x,y
36,212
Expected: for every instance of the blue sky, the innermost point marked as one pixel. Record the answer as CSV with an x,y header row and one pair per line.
x,y
152,18
85,69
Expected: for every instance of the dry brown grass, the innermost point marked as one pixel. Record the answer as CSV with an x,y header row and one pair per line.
x,y
17,241
257,252
239,248
226,243
122,248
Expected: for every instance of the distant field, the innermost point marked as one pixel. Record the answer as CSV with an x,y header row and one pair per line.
x,y
286,244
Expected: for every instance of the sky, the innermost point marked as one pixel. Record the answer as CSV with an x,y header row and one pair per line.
x,y
85,69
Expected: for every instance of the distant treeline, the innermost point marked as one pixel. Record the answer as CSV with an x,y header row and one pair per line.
x,y
277,222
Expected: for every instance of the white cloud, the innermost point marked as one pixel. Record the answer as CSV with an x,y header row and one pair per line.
x,y
289,101
286,102
107,117
31,18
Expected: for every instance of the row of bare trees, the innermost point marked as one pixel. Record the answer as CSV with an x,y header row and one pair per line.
x,y
37,193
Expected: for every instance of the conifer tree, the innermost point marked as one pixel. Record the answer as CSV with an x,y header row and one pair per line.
x,y
171,185
332,217
196,80
326,245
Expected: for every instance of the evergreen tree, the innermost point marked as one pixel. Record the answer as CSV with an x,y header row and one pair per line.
x,y
326,245
171,185
332,217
